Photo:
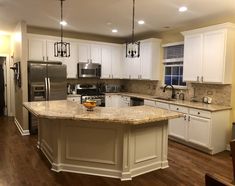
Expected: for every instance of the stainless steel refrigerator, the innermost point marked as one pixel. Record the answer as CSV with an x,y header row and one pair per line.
x,y
46,81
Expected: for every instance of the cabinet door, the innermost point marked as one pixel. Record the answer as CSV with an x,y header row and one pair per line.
x,y
50,51
193,46
36,49
134,68
106,67
146,60
116,101
178,127
83,53
108,101
199,131
71,62
213,56
116,62
95,54
126,68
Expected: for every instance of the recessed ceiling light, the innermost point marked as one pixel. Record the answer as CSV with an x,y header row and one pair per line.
x,y
141,22
183,9
114,30
64,23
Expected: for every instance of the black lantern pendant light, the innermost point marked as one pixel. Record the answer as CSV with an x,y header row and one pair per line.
x,y
61,49
133,48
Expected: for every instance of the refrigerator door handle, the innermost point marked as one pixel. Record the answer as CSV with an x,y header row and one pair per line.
x,y
46,85
49,88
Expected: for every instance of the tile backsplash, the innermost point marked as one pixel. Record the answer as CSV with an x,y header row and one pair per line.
x,y
220,94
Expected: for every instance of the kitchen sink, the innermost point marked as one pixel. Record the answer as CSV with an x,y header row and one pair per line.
x,y
165,99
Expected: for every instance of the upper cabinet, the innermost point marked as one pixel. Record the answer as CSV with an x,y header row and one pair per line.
x,y
208,54
71,62
147,66
111,62
89,53
41,50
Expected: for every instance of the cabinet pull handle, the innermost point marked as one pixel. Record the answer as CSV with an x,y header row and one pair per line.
x,y
185,117
197,78
112,76
43,58
188,118
202,79
47,58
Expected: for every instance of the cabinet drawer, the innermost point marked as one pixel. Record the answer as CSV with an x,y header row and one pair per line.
x,y
74,99
201,113
162,105
149,103
179,108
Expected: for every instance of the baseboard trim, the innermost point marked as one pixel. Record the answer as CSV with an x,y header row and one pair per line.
x,y
228,147
22,131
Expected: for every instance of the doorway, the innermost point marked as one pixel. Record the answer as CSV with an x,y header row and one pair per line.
x,y
2,86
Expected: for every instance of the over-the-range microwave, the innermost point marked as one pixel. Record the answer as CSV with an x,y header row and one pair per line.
x,y
89,70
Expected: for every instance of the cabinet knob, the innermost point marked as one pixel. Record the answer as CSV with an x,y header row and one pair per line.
x,y
198,113
177,109
185,117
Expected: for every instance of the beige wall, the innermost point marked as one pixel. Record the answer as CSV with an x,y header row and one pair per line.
x,y
5,44
21,93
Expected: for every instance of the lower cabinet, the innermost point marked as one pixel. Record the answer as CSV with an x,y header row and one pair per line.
x,y
204,130
117,101
199,130
74,98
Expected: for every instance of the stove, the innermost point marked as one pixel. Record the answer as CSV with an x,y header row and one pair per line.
x,y
91,92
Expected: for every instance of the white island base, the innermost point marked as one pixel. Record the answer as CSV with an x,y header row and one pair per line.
x,y
105,149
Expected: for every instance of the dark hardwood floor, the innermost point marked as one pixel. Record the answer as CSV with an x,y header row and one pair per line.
x,y
21,163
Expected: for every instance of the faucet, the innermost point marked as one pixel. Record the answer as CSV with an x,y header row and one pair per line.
x,y
172,89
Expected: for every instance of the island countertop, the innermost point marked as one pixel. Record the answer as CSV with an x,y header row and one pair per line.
x,y
64,109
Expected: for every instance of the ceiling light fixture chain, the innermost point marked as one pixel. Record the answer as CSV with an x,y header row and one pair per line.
x,y
133,48
61,49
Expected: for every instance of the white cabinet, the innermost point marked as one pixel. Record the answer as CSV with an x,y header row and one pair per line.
x,y
74,98
178,126
89,53
192,57
112,100
208,54
147,66
156,104
199,131
111,62
125,101
71,62
40,49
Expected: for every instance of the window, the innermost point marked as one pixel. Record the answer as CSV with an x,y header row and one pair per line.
x,y
174,74
173,64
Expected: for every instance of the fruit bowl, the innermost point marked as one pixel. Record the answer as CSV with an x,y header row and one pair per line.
x,y
90,105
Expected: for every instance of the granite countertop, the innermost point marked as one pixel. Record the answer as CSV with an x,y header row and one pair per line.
x,y
196,105
69,110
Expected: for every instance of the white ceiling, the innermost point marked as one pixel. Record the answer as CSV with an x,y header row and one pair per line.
x,y
100,16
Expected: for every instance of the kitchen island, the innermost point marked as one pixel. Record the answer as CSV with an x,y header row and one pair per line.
x,y
113,142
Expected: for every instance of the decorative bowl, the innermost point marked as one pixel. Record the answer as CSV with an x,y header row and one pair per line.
x,y
90,105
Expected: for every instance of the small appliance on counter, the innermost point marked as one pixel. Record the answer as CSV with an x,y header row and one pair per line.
x,y
112,88
207,100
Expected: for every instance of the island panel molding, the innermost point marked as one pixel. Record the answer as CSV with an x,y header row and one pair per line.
x,y
112,148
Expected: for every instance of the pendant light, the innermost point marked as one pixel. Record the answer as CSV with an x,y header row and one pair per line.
x,y
61,48
133,47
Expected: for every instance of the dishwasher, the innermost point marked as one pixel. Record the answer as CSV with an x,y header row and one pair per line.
x,y
136,101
